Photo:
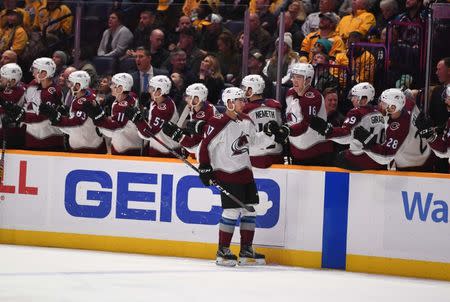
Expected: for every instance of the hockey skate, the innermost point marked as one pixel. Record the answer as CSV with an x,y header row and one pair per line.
x,y
225,257
247,256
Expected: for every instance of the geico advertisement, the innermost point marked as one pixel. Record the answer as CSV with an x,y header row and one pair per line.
x,y
399,216
158,200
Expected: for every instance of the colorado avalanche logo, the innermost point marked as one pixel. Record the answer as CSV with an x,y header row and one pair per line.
x,y
162,106
51,90
123,103
309,95
394,126
240,145
200,114
81,101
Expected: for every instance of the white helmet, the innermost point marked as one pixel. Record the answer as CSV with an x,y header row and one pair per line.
x,y
255,82
11,71
303,69
232,93
45,64
197,90
79,77
160,82
393,97
123,79
363,89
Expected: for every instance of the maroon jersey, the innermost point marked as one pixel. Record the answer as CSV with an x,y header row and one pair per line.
x,y
206,112
441,145
15,134
40,134
261,112
305,142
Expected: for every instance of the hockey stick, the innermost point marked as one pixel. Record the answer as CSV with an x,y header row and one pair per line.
x,y
2,159
213,182
183,116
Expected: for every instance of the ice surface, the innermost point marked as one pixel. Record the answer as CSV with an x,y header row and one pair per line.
x,y
49,274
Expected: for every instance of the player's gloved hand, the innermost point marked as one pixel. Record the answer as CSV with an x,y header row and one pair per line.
x,y
63,110
133,114
172,131
320,125
53,115
364,136
282,135
195,126
206,174
425,127
271,127
15,113
95,112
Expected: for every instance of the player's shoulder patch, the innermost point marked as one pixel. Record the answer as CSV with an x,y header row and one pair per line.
x,y
123,103
218,116
51,90
309,95
394,126
81,101
162,106
200,114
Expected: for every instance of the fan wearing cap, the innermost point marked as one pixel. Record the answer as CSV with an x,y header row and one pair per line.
x,y
11,94
327,26
400,136
83,137
40,134
312,21
210,32
119,127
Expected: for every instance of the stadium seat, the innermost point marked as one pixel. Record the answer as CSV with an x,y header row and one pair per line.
x,y
127,65
105,65
234,26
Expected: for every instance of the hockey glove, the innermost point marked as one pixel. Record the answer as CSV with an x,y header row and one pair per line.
x,y
271,127
282,135
172,131
133,114
195,126
364,136
206,174
95,112
425,127
53,115
15,113
320,125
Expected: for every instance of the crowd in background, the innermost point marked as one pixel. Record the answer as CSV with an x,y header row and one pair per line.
x,y
202,42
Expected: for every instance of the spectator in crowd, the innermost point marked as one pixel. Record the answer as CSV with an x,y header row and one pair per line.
x,y
142,32
11,5
199,9
210,75
389,10
323,79
297,11
174,36
262,39
289,57
145,71
334,116
293,29
211,32
47,17
312,20
438,108
103,92
13,36
363,62
178,64
233,9
60,59
8,56
157,51
65,90
415,12
256,63
116,38
267,19
327,27
32,7
228,56
187,43
360,20
85,64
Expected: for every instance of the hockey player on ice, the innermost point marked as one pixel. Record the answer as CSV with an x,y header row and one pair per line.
x,y
83,135
262,111
362,115
162,110
40,134
224,157
12,92
200,111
